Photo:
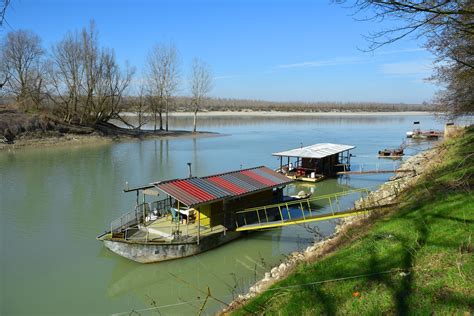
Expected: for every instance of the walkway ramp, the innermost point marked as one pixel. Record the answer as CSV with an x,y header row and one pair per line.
x,y
299,211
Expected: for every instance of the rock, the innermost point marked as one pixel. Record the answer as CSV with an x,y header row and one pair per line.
x,y
274,271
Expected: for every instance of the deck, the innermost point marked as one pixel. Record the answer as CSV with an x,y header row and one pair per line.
x,y
163,229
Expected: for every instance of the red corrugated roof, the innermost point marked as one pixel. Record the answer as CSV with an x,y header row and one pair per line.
x,y
194,191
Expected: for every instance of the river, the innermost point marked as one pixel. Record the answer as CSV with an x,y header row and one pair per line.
x,y
54,201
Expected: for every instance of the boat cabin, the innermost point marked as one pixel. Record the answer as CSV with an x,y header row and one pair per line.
x,y
315,162
193,208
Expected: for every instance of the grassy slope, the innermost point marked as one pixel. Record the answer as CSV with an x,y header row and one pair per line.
x,y
428,238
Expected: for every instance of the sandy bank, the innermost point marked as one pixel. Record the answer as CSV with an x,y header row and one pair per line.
x,y
382,199
37,141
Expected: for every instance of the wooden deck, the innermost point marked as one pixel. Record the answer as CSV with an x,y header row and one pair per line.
x,y
163,229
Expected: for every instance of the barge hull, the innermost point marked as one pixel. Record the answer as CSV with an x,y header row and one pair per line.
x,y
156,252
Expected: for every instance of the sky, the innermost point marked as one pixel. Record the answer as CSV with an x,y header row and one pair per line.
x,y
279,50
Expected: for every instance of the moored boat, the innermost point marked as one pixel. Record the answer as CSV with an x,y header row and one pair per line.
x,y
315,162
392,153
197,213
417,133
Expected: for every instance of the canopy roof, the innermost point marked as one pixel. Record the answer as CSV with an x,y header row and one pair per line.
x,y
315,151
195,191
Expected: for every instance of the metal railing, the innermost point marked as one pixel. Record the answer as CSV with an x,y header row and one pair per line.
x,y
142,214
376,167
292,212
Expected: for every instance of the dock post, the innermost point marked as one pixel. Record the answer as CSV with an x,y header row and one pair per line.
x,y
199,226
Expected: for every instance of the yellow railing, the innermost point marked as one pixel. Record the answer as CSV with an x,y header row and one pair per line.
x,y
269,216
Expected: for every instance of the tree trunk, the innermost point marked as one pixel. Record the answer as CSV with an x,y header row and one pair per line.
x,y
166,115
161,121
155,121
195,120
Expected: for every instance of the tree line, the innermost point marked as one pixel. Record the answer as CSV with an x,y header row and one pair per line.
x,y
81,82
240,105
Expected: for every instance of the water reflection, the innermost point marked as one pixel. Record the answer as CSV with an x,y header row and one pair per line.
x,y
217,121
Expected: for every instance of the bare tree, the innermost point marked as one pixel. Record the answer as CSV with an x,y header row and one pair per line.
x,y
448,30
162,79
22,66
87,81
137,103
66,72
201,85
3,9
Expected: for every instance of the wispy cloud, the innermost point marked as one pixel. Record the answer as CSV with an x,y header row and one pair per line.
x,y
325,62
408,68
229,77
400,51
337,61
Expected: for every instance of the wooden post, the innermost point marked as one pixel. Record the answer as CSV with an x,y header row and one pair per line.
x,y
199,226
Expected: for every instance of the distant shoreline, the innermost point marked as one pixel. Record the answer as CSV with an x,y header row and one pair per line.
x,y
72,139
285,114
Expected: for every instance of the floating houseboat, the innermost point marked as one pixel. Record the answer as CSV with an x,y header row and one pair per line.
x,y
430,134
316,162
417,133
195,215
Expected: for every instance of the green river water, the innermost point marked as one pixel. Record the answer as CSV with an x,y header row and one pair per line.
x,y
55,201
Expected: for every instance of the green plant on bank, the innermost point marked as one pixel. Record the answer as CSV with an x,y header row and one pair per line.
x,y
417,259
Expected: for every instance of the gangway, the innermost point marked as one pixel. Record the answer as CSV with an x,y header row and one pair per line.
x,y
366,168
296,212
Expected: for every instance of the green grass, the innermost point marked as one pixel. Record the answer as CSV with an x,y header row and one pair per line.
x,y
425,244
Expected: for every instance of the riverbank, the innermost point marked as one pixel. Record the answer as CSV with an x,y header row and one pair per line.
x,y
412,254
42,140
21,130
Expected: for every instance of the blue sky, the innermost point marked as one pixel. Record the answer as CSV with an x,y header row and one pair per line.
x,y
261,49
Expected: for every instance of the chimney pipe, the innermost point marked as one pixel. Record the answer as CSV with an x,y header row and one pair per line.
x,y
189,166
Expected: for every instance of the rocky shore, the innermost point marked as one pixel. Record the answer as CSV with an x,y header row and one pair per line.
x,y
380,199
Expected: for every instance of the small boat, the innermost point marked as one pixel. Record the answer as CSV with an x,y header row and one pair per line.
x,y
418,134
391,153
195,215
300,196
